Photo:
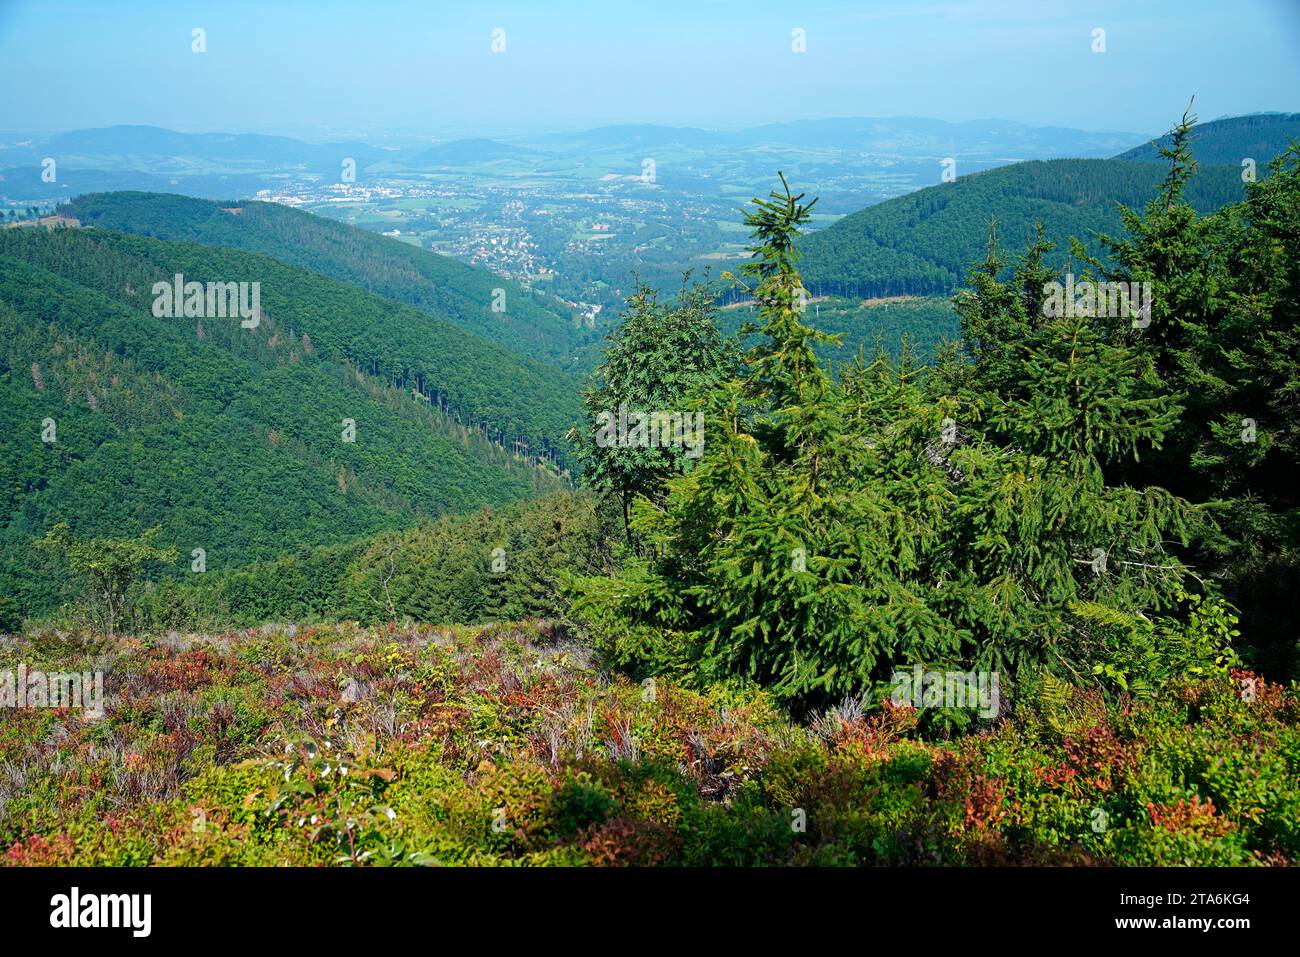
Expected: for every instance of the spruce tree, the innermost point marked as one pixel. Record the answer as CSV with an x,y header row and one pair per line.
x,y
655,360
840,525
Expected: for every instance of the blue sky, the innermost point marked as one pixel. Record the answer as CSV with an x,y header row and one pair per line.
x,y
324,67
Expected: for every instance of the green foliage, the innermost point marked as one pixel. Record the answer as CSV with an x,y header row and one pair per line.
x,y
393,343
1145,656
231,439
1205,385
400,747
108,567
435,284
11,616
654,362
923,243
919,324
1216,366
498,563
344,813
838,527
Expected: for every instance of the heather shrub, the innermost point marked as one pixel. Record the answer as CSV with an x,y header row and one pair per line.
x,y
507,746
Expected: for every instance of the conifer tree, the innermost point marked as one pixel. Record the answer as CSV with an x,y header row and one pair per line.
x,y
838,526
1224,337
659,355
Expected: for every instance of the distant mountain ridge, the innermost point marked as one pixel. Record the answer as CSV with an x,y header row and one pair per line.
x,y
214,165
156,141
1258,136
983,138
923,243
462,152
979,139
976,138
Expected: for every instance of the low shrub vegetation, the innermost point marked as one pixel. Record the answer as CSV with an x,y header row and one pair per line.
x,y
509,745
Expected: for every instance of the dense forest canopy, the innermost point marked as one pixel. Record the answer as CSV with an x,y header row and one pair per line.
x,y
1066,492
230,438
923,243
1232,140
446,288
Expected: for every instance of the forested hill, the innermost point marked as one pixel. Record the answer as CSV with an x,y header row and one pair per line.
x,y
1259,137
925,242
449,289
232,439
479,382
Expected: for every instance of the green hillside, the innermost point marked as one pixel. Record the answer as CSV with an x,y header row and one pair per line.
x,y
449,289
923,243
400,345
231,439
1259,137
493,564
863,324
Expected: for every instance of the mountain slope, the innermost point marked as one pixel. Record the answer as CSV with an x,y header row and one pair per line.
x,y
1260,137
923,243
463,152
902,135
396,343
986,139
231,439
118,143
437,284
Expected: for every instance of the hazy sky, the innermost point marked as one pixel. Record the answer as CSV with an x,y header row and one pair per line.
x,y
325,66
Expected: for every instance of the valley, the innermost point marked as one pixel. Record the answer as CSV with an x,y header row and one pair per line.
x,y
569,214
391,302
